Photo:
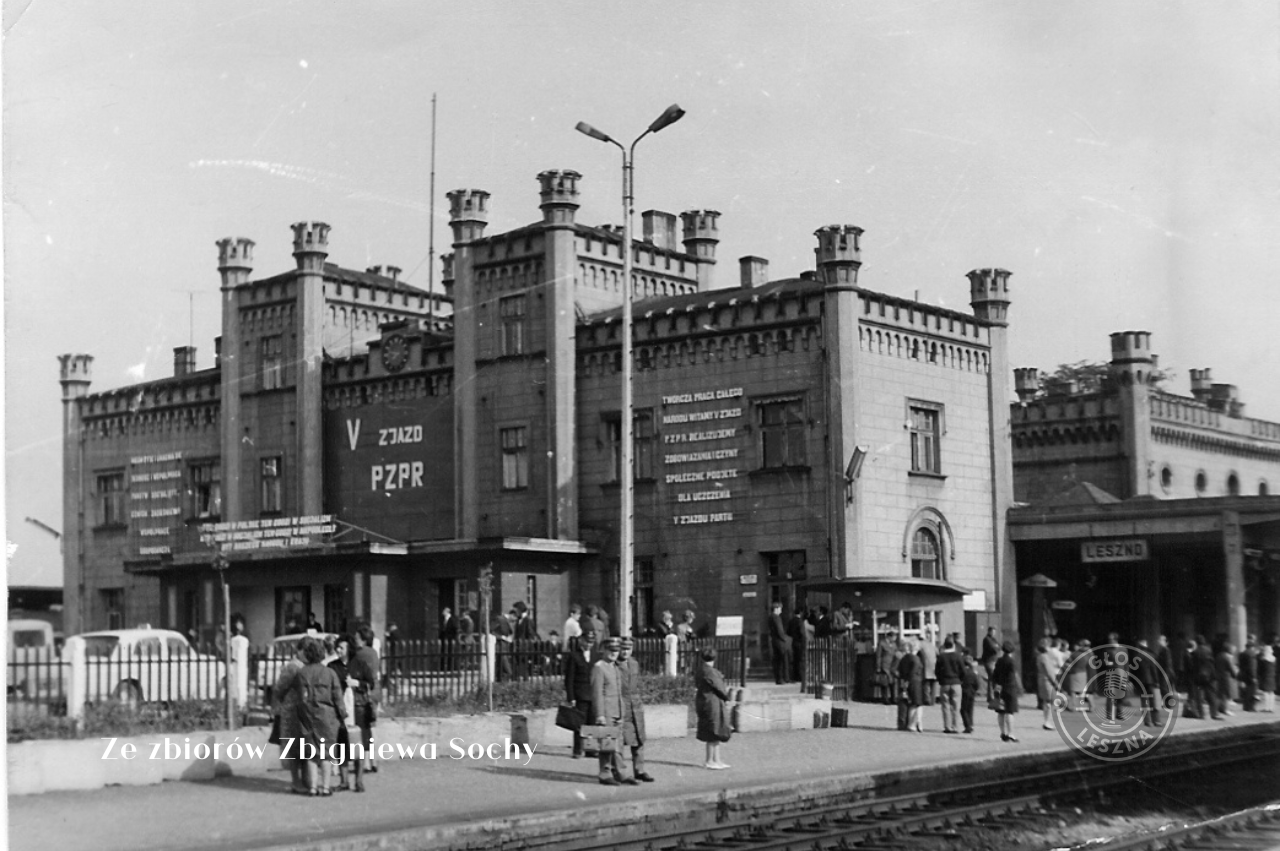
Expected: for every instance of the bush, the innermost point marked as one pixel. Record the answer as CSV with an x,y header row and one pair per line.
x,y
112,718
531,695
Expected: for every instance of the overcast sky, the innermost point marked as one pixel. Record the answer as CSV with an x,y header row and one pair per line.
x,y
1119,159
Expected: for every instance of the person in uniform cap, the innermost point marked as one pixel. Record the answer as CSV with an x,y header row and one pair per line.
x,y
577,682
633,733
606,691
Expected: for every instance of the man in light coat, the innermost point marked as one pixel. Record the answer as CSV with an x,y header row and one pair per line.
x,y
633,733
606,691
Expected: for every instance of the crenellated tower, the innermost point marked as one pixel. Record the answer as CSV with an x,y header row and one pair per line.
x,y
701,236
310,250
468,217
235,263
838,255
559,203
1131,367
989,298
75,375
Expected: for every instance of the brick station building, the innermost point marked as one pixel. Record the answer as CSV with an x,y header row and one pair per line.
x,y
363,450
1152,511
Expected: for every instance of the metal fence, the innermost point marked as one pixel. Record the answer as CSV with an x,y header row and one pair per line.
x,y
832,662
36,679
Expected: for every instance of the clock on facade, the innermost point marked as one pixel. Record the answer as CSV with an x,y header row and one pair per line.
x,y
395,353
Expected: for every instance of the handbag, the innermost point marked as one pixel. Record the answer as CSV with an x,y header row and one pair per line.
x,y
274,737
569,718
606,738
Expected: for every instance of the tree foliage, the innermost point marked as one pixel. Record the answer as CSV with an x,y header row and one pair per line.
x,y
1089,376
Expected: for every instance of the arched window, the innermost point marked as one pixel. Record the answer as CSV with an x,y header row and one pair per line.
x,y
1166,478
925,561
1202,482
1262,488
1233,485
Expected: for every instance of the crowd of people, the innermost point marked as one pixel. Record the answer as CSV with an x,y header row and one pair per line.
x,y
325,706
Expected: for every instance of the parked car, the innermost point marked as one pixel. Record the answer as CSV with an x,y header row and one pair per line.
x,y
147,665
33,657
266,669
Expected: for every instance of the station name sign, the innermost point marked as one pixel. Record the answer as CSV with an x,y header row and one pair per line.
x,y
275,533
1121,549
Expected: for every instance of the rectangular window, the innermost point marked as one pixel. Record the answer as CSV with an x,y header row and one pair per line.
x,y
785,566
511,313
643,444
113,607
271,358
293,609
782,433
515,458
925,421
205,490
111,500
272,485
642,616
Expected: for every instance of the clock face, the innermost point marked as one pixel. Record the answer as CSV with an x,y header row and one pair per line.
x,y
395,353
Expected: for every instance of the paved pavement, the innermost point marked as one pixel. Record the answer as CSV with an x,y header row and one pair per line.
x,y
254,809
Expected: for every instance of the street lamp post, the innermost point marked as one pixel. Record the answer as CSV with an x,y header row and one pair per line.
x,y
626,535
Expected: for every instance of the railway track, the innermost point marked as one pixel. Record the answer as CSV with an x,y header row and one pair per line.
x,y
907,821
1256,829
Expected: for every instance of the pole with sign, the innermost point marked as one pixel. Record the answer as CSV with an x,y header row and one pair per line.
x,y
220,564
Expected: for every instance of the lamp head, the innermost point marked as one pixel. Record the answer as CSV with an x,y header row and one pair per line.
x,y
670,116
586,129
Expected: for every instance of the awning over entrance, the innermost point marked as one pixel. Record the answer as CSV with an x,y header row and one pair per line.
x,y
887,592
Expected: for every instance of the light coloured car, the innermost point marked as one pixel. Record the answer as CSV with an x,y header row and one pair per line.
x,y
282,649
34,666
146,665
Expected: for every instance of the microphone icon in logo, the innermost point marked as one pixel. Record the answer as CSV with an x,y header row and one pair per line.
x,y
1115,687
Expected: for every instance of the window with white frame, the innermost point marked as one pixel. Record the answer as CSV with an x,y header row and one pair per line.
x,y
925,423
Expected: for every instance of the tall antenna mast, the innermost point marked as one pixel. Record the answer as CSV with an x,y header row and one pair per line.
x,y
431,228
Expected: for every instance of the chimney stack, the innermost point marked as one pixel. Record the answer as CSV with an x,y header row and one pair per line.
x,y
184,361
754,271
659,228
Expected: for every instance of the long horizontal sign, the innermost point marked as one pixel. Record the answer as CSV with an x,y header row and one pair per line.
x,y
269,533
1121,549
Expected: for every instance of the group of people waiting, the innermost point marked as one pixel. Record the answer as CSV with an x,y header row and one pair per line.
x,y
1213,675
603,685
325,697
915,672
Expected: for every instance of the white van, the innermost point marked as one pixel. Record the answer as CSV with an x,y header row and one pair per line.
x,y
31,650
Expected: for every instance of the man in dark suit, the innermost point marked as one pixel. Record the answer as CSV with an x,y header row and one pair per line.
x,y
990,653
798,634
448,637
577,682
779,645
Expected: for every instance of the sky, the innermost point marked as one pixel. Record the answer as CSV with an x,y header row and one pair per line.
x,y
1119,159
